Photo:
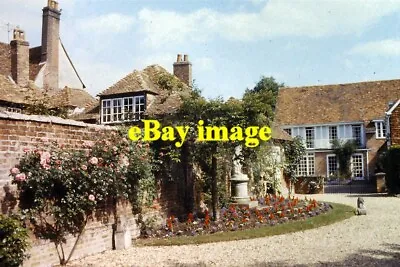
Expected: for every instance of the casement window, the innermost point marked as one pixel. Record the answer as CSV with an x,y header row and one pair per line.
x,y
332,166
357,166
288,131
356,130
333,133
122,109
310,137
380,130
306,166
15,110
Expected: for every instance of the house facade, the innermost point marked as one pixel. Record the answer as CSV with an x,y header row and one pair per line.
x,y
152,91
393,124
320,114
42,70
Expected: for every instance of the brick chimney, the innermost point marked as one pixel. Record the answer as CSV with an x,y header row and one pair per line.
x,y
183,69
19,58
50,44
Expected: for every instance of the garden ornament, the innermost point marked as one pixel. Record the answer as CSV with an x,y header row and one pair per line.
x,y
361,210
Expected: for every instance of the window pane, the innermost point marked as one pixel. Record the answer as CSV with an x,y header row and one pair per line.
x,y
332,166
357,164
357,134
310,137
332,133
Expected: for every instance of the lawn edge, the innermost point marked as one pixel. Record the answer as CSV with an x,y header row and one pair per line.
x,y
340,212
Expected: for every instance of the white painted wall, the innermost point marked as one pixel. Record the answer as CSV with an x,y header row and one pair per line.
x,y
67,76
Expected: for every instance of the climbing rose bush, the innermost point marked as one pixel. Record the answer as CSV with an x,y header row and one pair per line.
x,y
60,187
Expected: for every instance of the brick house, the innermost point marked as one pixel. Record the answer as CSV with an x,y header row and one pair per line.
x,y
34,71
393,124
141,93
354,111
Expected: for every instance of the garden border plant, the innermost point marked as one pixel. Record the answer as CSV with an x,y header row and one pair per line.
x,y
338,213
13,241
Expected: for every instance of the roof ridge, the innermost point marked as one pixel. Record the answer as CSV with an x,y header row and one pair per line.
x,y
339,84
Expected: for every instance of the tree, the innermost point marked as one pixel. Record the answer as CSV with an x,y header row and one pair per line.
x,y
343,151
294,152
260,102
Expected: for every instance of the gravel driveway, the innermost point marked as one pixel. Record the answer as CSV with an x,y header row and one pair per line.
x,y
372,240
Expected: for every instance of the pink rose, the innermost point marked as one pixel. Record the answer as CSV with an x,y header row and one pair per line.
x,y
46,166
58,162
84,167
26,150
91,197
44,158
20,177
14,171
94,161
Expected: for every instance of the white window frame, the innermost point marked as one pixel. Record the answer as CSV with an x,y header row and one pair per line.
x,y
361,134
288,131
312,141
330,135
123,109
309,169
380,130
327,164
362,166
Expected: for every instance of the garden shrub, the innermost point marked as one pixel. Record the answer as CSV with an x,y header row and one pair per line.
x,y
13,241
61,188
392,169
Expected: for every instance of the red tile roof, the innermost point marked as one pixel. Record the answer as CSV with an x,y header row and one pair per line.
x,y
363,101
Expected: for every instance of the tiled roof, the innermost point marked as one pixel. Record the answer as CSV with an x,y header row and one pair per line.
x,y
35,56
137,81
166,101
363,101
10,92
5,59
70,97
34,60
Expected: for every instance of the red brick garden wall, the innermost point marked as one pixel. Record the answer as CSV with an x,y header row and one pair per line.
x,y
395,126
18,131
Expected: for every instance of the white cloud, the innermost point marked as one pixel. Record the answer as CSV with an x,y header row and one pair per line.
x,y
204,64
106,24
312,19
388,47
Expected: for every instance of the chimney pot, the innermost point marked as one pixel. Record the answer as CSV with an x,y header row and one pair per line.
x,y
183,69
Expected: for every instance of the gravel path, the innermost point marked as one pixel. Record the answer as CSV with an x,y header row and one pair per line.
x,y
372,240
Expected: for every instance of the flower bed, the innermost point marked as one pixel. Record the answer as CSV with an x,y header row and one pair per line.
x,y
272,210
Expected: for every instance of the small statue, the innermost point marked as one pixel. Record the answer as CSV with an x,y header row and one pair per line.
x,y
361,209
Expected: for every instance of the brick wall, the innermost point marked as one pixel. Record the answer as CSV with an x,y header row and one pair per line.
x,y
19,131
395,126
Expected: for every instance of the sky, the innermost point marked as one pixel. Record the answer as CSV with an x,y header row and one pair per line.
x,y
231,43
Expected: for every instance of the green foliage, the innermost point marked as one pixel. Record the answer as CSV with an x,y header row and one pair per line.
x,y
13,241
260,102
294,152
343,151
41,106
61,188
265,166
392,169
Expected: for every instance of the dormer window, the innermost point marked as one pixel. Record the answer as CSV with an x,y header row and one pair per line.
x,y
122,109
380,129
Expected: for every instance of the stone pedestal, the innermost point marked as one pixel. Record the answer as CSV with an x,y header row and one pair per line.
x,y
239,191
123,237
